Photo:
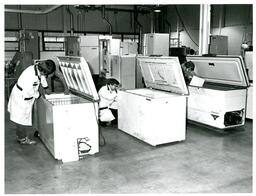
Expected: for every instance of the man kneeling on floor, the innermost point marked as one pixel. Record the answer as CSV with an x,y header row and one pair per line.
x,y
108,102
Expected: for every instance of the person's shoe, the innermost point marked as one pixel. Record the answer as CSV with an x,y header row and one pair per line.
x,y
21,140
103,124
36,134
26,140
108,123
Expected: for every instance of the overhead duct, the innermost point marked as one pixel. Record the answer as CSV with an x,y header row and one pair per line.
x,y
46,11
104,18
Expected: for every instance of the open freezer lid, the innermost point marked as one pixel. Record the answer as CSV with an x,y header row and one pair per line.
x,y
163,73
78,76
221,69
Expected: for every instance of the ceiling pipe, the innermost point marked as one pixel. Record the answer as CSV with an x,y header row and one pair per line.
x,y
46,11
169,29
221,19
152,22
104,18
178,31
71,20
92,8
169,26
140,30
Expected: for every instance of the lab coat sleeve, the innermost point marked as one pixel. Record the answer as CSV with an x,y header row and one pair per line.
x,y
30,88
105,94
44,82
106,97
30,92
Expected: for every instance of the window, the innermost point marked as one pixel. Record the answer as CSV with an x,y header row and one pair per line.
x,y
53,41
132,38
11,41
126,37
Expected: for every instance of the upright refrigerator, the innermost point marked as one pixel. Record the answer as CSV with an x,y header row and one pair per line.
x,y
123,69
68,124
90,50
128,48
248,58
218,45
156,44
72,46
221,101
156,114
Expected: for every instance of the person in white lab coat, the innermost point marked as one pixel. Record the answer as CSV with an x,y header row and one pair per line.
x,y
26,90
108,101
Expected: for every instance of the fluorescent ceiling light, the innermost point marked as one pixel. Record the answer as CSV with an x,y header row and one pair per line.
x,y
157,10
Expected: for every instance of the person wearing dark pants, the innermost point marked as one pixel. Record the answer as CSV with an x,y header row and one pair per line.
x,y
29,87
108,102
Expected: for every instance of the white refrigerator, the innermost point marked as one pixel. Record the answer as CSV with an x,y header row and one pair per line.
x,y
68,124
123,69
128,48
156,114
156,44
90,50
221,101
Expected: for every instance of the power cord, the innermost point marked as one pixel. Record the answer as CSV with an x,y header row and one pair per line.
x,y
99,130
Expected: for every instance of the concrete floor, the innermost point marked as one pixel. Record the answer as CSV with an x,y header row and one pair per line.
x,y
206,162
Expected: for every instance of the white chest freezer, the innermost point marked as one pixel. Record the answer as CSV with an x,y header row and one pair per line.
x,y
156,114
68,124
249,105
221,101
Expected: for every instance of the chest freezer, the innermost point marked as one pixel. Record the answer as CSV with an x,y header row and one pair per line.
x,y
68,124
221,101
249,105
156,114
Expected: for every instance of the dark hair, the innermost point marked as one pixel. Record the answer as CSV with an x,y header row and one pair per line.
x,y
47,66
189,64
112,81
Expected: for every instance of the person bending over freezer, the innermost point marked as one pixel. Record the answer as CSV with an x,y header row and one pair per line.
x,y
26,90
108,102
